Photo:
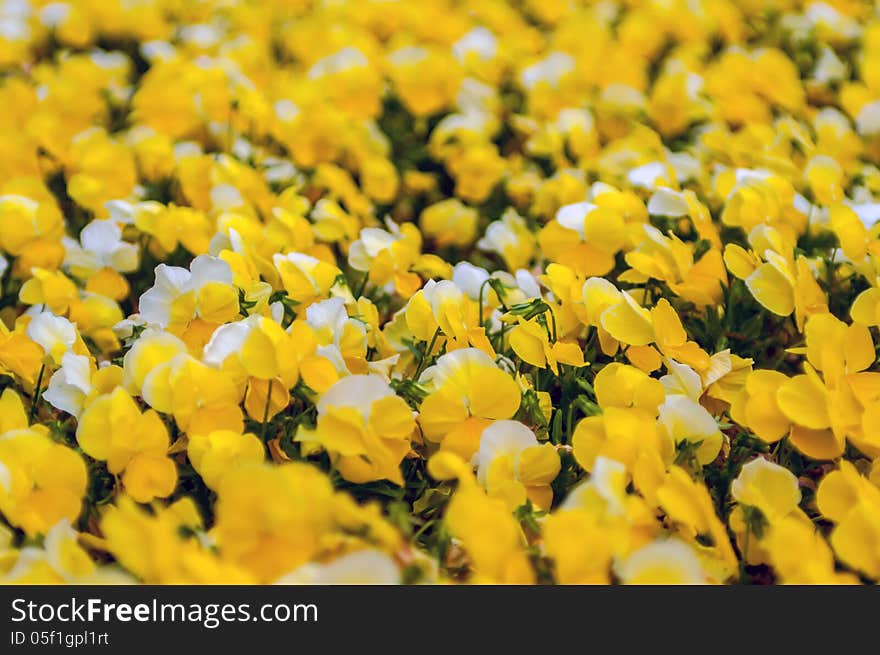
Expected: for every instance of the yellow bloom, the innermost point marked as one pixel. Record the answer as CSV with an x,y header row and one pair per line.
x,y
41,482
52,289
511,239
530,341
853,504
113,429
768,487
685,420
307,279
200,397
179,295
512,465
155,546
666,562
269,539
449,222
489,533
465,385
365,427
214,454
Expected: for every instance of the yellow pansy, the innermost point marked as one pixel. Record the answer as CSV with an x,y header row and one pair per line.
x,y
465,386
364,426
113,429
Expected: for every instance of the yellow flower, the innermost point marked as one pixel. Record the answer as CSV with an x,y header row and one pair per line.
x,y
41,481
56,335
20,355
449,222
685,420
688,504
79,381
665,562
179,295
200,397
388,256
445,307
513,465
465,385
490,535
214,454
31,230
426,79
113,429
800,555
476,172
101,258
758,408
269,539
768,487
511,239
52,289
155,546
307,279
365,427
259,350
671,260
530,341
585,237
852,503
781,283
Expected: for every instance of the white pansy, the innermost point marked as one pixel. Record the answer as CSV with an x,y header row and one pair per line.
x,y
684,419
356,391
71,384
502,438
173,282
100,246
470,279
55,334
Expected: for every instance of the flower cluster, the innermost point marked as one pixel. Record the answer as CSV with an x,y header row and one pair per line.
x,y
430,291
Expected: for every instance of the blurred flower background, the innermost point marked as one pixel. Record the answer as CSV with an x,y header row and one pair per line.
x,y
432,291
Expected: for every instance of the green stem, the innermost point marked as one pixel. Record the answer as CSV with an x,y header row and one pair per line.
x,y
482,286
427,354
266,409
553,322
363,286
37,394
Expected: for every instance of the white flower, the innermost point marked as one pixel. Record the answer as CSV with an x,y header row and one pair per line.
x,y
682,380
357,392
55,334
502,438
686,420
470,279
172,282
505,233
71,384
102,247
372,241
572,216
551,70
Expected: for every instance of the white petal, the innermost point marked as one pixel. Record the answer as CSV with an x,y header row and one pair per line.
x,y
101,237
206,268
